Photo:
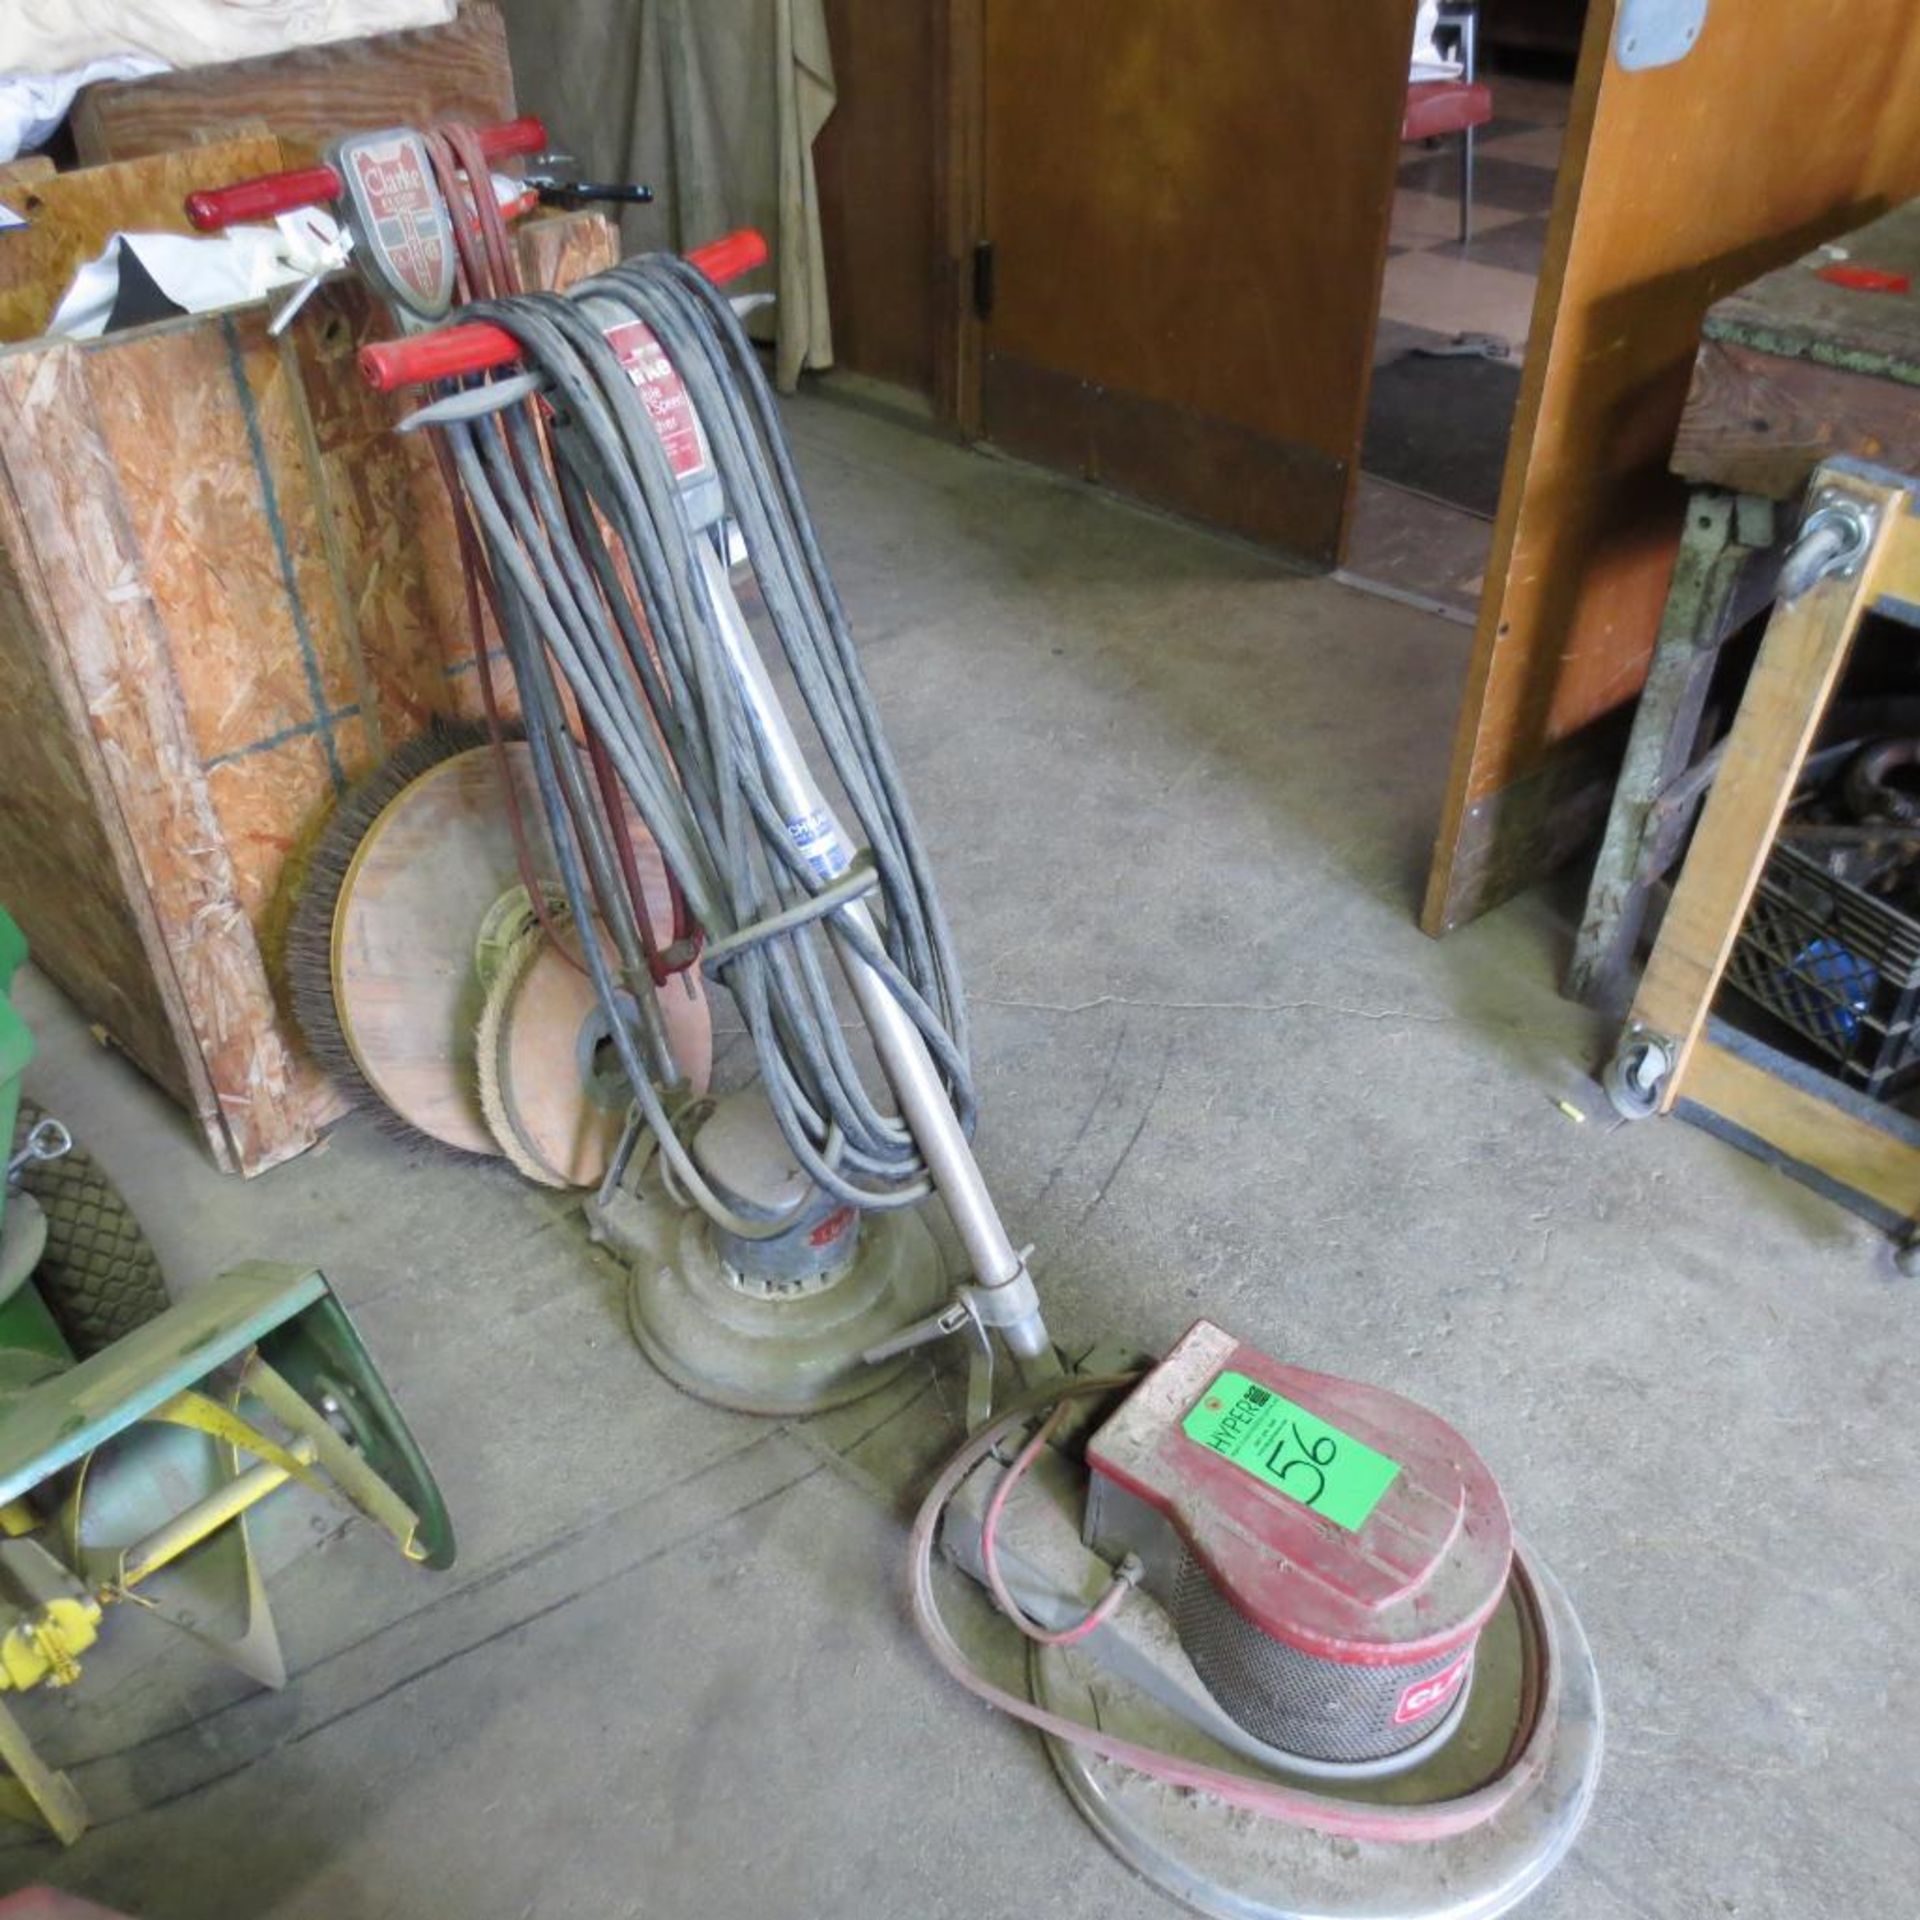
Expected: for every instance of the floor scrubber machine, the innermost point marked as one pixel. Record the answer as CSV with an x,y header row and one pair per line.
x,y
1285,1649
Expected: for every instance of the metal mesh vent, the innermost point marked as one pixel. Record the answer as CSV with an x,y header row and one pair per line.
x,y
1318,1709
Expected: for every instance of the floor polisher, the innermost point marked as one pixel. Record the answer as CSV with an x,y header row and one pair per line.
x,y
1285,1649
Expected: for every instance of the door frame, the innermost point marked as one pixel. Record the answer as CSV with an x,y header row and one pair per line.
x,y
960,210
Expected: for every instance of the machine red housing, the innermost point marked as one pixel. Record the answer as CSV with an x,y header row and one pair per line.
x,y
1335,1635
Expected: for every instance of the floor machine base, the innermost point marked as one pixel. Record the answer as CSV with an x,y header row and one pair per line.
x,y
754,1352
1531,1714
1223,1862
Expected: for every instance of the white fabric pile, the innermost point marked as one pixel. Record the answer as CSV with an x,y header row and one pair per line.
x,y
55,36
1428,61
50,49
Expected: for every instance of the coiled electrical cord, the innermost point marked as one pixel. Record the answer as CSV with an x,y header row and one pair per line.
x,y
598,593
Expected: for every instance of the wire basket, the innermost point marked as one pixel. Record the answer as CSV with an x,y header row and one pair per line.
x,y
1838,966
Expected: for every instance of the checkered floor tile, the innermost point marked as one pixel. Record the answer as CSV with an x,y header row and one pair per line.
x,y
1406,536
1442,288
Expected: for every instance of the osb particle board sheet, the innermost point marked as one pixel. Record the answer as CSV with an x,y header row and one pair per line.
x,y
310,95
194,414
388,512
70,217
198,418
65,481
62,875
271,806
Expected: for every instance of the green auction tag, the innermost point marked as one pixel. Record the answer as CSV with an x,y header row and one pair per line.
x,y
1291,1450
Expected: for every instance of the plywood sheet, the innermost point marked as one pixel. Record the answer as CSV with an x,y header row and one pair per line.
x,y
66,875
71,215
1790,122
63,478
226,588
311,95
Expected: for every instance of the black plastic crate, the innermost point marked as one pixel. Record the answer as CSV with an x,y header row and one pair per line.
x,y
1838,966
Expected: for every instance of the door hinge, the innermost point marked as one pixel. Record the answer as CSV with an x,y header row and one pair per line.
x,y
983,280
1656,33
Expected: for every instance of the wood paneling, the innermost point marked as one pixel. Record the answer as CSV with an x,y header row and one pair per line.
x,y
1188,210
874,161
310,95
1791,121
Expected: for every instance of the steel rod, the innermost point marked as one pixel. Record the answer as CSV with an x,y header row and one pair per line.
x,y
902,1051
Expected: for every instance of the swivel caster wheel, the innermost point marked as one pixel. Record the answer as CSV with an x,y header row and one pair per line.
x,y
1637,1074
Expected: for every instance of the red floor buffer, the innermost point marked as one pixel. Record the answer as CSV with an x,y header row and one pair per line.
x,y
1285,1648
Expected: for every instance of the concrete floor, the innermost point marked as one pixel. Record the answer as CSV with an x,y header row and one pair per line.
x,y
1181,801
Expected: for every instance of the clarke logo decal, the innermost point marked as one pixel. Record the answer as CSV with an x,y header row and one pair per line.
x,y
403,216
1423,1696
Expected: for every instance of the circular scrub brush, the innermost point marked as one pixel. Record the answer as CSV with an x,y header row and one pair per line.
x,y
396,939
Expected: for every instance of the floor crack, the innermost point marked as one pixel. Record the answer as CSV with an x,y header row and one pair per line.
x,y
1215,1006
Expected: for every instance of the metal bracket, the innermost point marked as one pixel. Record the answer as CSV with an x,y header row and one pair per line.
x,y
1833,539
1636,1077
49,1140
974,1310
1657,33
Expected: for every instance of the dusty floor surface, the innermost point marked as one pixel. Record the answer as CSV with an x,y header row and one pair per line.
x,y
1181,801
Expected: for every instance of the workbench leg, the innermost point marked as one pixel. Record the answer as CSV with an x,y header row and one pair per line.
x,y
1800,660
1666,727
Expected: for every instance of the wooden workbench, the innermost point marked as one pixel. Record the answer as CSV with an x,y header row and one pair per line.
x,y
1792,370
1805,400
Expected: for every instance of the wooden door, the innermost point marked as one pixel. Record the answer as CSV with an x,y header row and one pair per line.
x,y
1182,207
1789,121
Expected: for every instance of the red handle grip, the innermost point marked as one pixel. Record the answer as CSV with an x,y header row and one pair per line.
x,y
440,355
271,193
477,345
528,134
262,198
730,256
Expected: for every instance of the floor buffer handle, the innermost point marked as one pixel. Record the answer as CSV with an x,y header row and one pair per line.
x,y
267,194
476,346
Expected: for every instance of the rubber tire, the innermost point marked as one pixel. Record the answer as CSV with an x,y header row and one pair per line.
x,y
99,1275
